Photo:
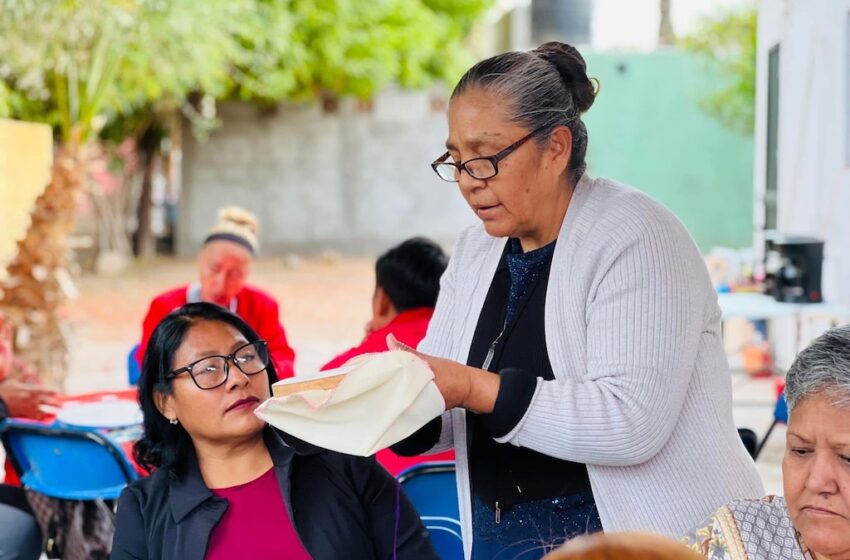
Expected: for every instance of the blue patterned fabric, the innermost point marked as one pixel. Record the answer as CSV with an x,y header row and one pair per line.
x,y
530,530
525,270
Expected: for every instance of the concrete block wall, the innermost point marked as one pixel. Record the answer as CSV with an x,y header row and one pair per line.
x,y
354,180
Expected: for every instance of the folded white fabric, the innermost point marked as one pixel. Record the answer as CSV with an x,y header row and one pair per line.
x,y
382,399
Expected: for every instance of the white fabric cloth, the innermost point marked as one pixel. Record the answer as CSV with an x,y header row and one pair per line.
x,y
383,399
642,393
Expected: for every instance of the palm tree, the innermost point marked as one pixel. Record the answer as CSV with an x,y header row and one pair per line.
x,y
73,64
37,278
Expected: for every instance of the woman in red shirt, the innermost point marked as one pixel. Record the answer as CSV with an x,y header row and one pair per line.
x,y
224,264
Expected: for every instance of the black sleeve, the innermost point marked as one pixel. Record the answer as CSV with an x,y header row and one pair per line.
x,y
4,410
129,543
516,389
397,530
421,440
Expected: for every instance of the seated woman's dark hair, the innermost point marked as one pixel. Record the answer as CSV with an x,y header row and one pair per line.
x,y
410,273
546,88
166,446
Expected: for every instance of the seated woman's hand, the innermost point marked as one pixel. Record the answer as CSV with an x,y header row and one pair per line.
x,y
25,399
23,372
461,385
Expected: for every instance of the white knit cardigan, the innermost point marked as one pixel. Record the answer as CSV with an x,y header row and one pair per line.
x,y
642,393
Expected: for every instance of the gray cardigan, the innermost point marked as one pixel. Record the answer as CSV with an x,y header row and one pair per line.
x,y
642,393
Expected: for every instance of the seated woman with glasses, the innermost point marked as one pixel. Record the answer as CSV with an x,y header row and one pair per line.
x,y
224,265
224,485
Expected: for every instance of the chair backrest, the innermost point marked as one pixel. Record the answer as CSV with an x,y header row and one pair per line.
x,y
66,462
432,489
780,411
133,369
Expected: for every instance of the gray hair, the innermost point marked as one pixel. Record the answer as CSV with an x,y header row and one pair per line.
x,y
547,87
823,367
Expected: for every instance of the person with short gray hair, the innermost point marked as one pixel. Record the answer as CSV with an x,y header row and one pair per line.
x,y
822,368
812,521
576,338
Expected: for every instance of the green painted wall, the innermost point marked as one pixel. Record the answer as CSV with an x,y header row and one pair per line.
x,y
646,129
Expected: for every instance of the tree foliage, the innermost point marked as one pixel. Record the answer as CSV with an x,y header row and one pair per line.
x,y
76,63
113,67
728,43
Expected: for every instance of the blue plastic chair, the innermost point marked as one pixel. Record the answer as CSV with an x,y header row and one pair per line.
x,y
66,462
133,370
780,416
432,489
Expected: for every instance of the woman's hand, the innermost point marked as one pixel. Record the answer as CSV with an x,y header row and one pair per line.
x,y
25,399
23,372
11,366
461,385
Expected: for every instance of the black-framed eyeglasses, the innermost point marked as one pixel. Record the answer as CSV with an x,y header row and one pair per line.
x,y
213,371
478,168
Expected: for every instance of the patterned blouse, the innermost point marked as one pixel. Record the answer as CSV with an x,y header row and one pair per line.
x,y
749,530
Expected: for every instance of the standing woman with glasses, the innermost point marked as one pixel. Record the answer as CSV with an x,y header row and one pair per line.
x,y
576,339
224,485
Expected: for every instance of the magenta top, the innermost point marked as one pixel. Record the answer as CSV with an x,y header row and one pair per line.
x,y
256,523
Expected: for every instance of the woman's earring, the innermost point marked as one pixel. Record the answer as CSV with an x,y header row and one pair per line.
x,y
173,421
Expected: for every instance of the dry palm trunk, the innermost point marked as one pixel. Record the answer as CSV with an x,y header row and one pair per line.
x,y
38,280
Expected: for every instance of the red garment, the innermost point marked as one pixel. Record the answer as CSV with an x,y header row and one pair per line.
x,y
256,524
11,477
256,307
396,464
408,327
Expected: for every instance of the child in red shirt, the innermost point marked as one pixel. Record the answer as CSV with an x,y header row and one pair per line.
x,y
407,282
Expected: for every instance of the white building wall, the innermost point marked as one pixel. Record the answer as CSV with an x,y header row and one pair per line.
x,y
813,182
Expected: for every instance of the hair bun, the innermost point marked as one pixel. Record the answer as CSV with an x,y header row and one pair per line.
x,y
237,221
239,217
573,71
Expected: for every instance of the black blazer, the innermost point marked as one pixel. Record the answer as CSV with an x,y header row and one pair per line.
x,y
341,506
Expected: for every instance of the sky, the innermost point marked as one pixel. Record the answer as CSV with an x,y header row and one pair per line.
x,y
633,24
